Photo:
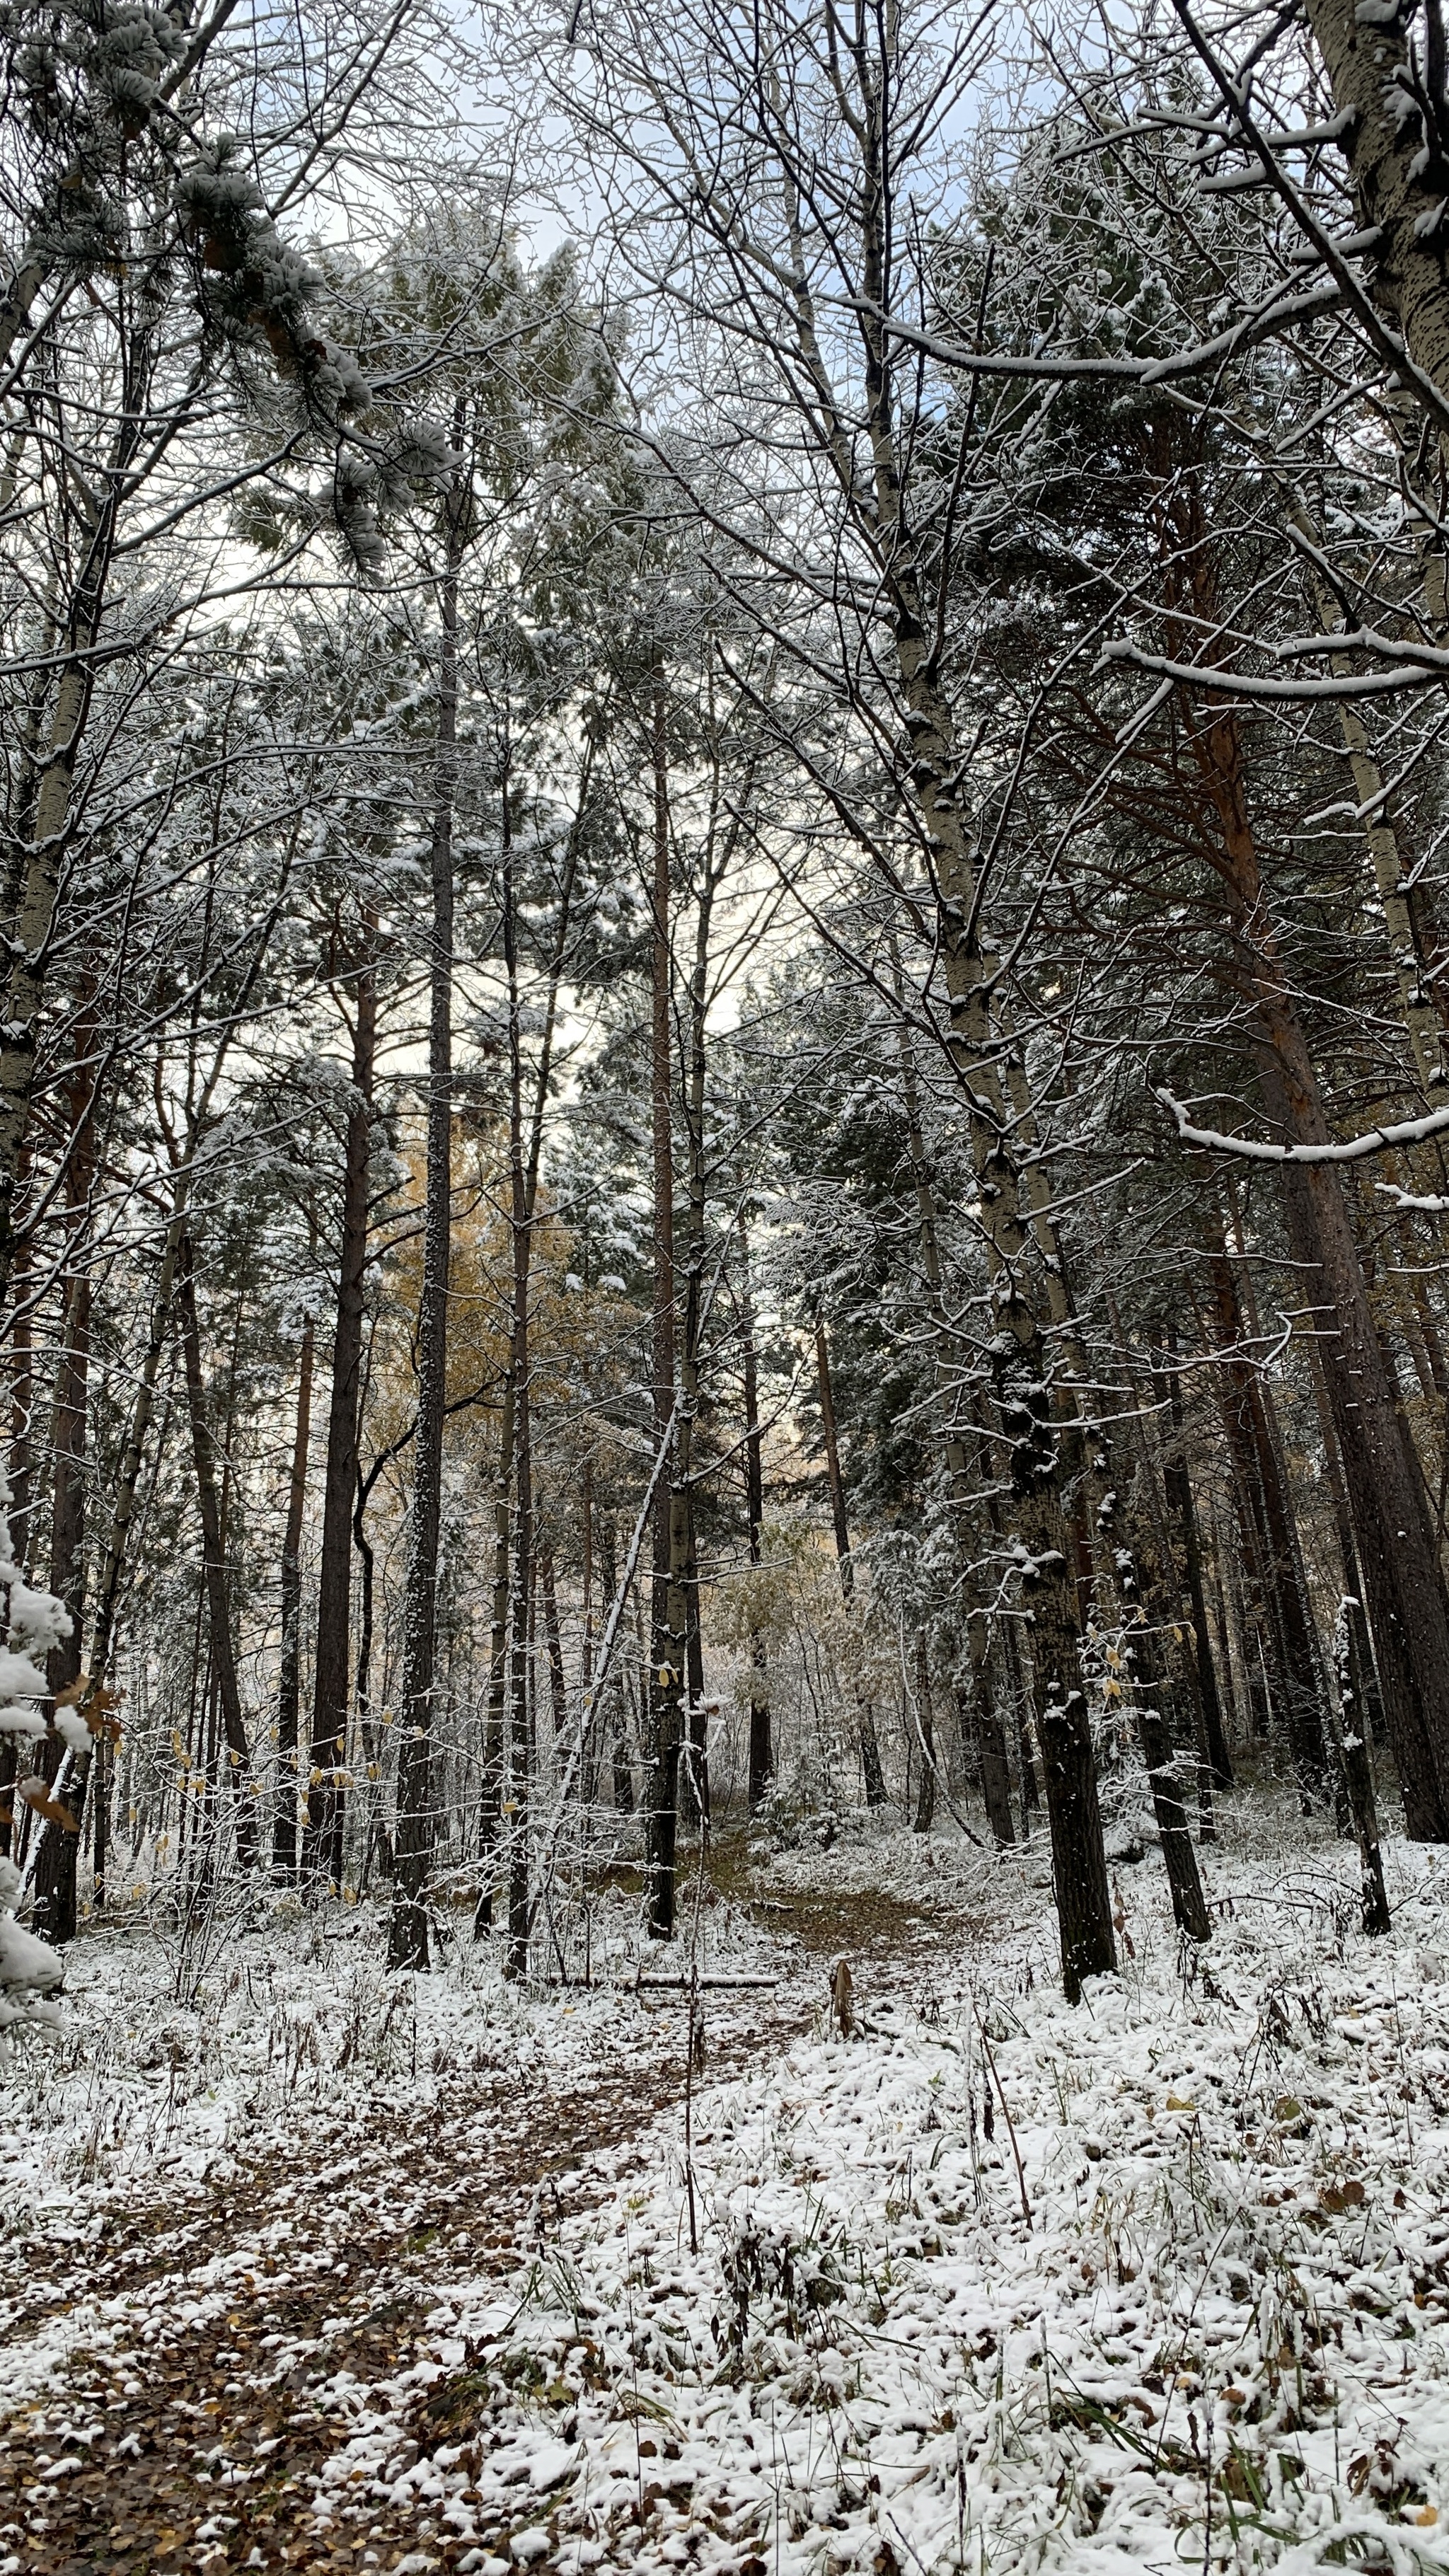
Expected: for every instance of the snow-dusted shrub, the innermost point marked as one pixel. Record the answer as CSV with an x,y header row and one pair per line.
x,y
36,1622
29,1968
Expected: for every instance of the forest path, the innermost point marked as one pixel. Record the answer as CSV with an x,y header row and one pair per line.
x,y
210,2346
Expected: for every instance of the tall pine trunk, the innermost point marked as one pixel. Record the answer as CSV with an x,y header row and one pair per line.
x,y
331,1674
520,1743
668,1612
872,1768
1393,1525
408,1945
214,1568
761,1764
289,1677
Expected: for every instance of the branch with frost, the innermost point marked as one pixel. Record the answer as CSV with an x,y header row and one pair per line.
x,y
1280,313
1421,673
1410,1200
1378,1140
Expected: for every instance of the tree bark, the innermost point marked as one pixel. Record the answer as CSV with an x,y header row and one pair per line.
x,y
926,1735
77,1771
34,869
22,1399
58,1853
839,1523
557,1686
521,1244
1256,1446
694,1774
1407,1606
872,1769
289,1679
408,1944
218,1607
1036,1417
1397,179
1177,1486
496,1718
1353,1753
1147,1594
995,1769
512,1539
331,1677
669,1611
761,1748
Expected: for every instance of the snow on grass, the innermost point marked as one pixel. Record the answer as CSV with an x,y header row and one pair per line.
x,y
179,2057
275,2055
1161,2281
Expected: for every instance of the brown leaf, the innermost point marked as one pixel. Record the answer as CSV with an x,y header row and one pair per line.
x,y
36,1793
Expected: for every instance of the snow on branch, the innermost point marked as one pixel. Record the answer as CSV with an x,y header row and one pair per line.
x,y
1378,1140
1418,674
1431,1206
1282,313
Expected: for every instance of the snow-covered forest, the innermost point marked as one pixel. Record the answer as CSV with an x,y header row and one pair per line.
x,y
724,1305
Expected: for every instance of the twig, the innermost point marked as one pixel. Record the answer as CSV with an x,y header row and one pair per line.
x,y
1010,2123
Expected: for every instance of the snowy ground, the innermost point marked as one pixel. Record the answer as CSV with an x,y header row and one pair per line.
x,y
1159,2282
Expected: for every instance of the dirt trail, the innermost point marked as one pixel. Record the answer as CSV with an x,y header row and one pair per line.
x,y
200,2397
188,2440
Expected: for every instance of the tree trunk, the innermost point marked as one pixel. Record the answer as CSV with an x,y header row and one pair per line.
x,y
1394,175
553,1641
22,1397
1405,1597
926,1734
832,1462
694,1775
58,1854
669,1614
1152,1610
621,1775
289,1680
1177,1485
1256,1448
995,1769
991,1744
1396,1541
589,1761
1358,1775
496,1718
378,1841
332,1677
68,1508
408,1945
761,1748
22,1401
520,1219
203,1446
31,926
50,1858
872,1770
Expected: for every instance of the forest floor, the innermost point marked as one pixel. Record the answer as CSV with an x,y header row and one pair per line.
x,y
322,2269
